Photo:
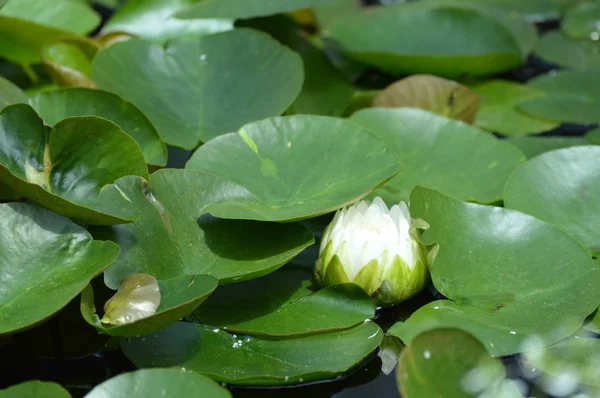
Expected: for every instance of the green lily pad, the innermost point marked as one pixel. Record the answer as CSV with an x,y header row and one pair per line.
x,y
243,10
508,276
68,167
499,112
35,389
57,105
283,304
346,163
178,298
154,20
583,21
561,187
184,91
432,93
574,97
534,146
439,153
555,48
593,136
435,39
138,298
159,383
533,10
47,259
181,244
253,361
26,26
576,357
10,94
68,65
451,363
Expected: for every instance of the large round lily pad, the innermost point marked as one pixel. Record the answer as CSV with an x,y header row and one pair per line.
x,y
45,261
35,389
283,304
556,48
561,187
453,364
57,105
68,167
294,167
249,360
572,97
159,383
499,112
508,276
443,154
427,38
170,240
184,90
178,298
155,20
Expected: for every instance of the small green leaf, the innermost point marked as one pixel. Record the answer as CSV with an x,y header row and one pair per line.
x,y
155,383
35,389
249,360
46,261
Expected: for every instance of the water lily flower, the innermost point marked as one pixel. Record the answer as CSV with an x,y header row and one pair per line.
x,y
376,248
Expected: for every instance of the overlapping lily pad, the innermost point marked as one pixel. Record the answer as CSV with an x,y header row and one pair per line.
x,y
183,88
533,10
440,153
437,39
35,389
154,383
573,97
45,261
534,146
68,167
556,48
57,105
68,65
561,187
218,354
343,162
242,10
154,20
170,240
10,94
285,303
508,276
499,112
581,21
178,298
451,363
432,93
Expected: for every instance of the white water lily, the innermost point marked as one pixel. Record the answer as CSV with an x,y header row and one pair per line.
x,y
374,247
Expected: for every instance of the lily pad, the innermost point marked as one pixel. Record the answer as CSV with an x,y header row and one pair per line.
x,y
68,167
432,93
574,97
561,187
534,146
583,21
283,304
439,40
508,276
68,65
533,10
184,91
243,10
26,26
576,357
10,94
57,105
159,383
555,48
181,244
253,361
344,162
154,20
47,259
593,136
35,389
499,112
138,298
178,298
439,153
451,363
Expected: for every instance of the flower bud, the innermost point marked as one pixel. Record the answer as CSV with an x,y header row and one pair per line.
x,y
376,248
